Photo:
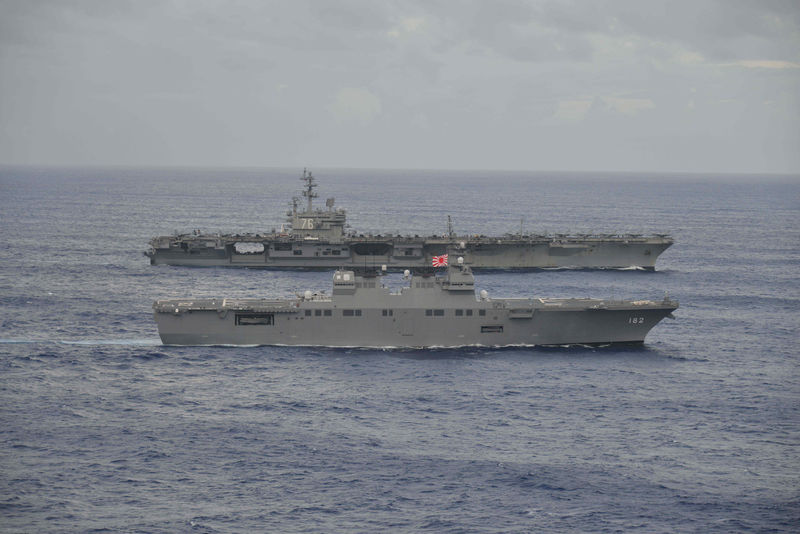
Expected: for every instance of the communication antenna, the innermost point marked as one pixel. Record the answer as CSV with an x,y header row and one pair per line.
x,y
310,185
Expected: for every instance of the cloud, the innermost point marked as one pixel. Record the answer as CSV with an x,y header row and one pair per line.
x,y
350,15
572,110
766,64
576,110
354,104
416,73
713,30
628,106
407,25
685,57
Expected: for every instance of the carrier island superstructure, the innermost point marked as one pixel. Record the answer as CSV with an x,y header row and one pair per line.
x,y
315,238
431,311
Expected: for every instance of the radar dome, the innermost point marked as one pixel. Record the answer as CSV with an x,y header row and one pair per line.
x,y
460,260
307,295
484,294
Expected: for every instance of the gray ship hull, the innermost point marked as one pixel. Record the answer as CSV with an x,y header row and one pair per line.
x,y
316,239
612,252
431,312
411,328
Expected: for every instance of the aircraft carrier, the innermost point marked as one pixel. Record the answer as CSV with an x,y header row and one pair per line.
x,y
431,311
316,239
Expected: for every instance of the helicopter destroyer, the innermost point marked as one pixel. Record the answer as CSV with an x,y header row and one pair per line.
x,y
431,311
316,239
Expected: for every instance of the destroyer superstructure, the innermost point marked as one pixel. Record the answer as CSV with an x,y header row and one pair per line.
x,y
316,239
431,311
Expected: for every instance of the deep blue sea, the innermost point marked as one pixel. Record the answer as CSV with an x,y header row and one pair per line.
x,y
103,429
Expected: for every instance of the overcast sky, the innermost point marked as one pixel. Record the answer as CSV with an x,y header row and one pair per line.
x,y
589,85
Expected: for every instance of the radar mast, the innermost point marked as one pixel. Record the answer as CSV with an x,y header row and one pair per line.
x,y
310,185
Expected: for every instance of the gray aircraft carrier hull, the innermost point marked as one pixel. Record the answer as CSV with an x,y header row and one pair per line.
x,y
317,239
618,252
431,312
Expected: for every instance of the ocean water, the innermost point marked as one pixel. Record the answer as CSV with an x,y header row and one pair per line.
x,y
103,429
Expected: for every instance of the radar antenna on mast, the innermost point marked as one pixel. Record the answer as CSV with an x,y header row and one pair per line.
x,y
310,185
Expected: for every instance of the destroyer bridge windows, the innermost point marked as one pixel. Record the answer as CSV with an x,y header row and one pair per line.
x,y
255,319
351,313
